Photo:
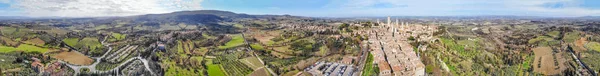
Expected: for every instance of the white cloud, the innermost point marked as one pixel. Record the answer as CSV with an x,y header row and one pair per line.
x,y
95,8
463,7
4,1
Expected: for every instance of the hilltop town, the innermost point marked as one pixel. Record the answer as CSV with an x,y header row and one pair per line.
x,y
222,43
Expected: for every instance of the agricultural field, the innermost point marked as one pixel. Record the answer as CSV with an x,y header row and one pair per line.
x,y
570,37
8,41
257,47
174,70
580,44
117,37
591,58
214,69
36,42
260,72
593,46
252,62
71,41
547,62
236,40
234,66
23,47
73,57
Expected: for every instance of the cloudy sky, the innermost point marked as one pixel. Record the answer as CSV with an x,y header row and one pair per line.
x,y
313,8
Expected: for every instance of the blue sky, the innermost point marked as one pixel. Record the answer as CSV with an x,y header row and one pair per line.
x,y
312,8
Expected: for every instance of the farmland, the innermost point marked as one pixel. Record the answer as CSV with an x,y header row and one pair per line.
x,y
236,40
73,57
214,69
23,47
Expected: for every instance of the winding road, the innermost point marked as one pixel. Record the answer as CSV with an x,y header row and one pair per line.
x,y
92,67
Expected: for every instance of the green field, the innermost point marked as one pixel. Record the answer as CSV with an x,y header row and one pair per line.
x,y
118,36
540,39
257,47
180,71
252,62
214,69
8,30
594,46
180,47
71,41
23,47
236,40
90,42
238,25
571,37
553,34
368,70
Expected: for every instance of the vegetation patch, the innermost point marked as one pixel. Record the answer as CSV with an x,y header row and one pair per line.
x,y
71,41
23,47
593,46
257,47
570,37
118,36
252,62
236,40
36,41
553,34
368,69
213,69
73,57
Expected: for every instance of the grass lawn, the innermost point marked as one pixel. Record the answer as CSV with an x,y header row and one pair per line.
x,y
571,37
368,66
214,69
7,30
594,46
23,47
540,38
238,25
180,47
91,42
553,34
205,35
257,47
71,41
236,40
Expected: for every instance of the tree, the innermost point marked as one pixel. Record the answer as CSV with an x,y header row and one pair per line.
x,y
411,38
343,26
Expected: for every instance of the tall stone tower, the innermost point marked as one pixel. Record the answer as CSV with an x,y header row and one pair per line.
x,y
388,21
397,24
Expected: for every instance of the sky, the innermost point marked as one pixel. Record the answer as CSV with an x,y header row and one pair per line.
x,y
311,8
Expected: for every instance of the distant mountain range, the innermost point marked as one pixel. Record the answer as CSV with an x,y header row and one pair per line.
x,y
211,16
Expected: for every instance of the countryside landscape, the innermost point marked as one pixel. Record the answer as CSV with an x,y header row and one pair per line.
x,y
231,43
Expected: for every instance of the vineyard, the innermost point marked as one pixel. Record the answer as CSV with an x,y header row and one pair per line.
x,y
234,67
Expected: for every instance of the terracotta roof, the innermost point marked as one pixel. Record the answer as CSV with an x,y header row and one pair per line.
x,y
397,68
383,65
